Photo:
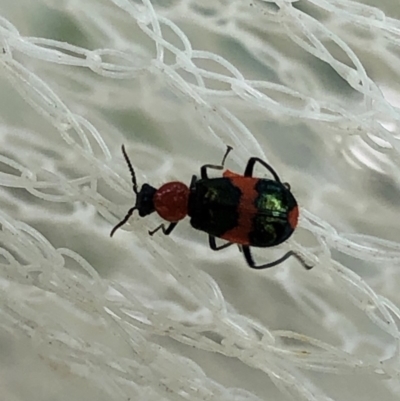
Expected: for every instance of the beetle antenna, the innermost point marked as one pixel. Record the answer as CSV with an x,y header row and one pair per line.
x,y
131,170
123,221
135,190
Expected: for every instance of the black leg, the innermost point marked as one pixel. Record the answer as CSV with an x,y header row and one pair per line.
x,y
166,231
193,182
250,261
204,168
213,244
248,172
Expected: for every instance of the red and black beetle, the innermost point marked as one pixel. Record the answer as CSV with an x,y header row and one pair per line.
x,y
241,209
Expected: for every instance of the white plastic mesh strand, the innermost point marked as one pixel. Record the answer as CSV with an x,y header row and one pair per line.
x,y
311,86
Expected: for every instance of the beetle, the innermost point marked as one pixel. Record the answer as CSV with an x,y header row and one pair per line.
x,y
241,209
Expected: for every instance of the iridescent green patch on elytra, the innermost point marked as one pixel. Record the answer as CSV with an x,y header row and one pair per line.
x,y
212,194
272,199
270,225
272,204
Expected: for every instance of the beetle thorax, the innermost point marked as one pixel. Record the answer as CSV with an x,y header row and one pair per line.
x,y
171,201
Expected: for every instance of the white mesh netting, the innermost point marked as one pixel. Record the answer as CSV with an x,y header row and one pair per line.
x,y
311,86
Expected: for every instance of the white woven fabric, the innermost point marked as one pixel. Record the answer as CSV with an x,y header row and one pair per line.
x,y
311,86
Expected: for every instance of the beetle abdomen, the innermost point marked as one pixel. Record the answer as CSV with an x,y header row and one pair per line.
x,y
276,216
244,210
213,206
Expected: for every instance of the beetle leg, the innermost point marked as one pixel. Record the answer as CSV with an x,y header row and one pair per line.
x,y
250,261
213,244
166,231
193,182
248,172
204,168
